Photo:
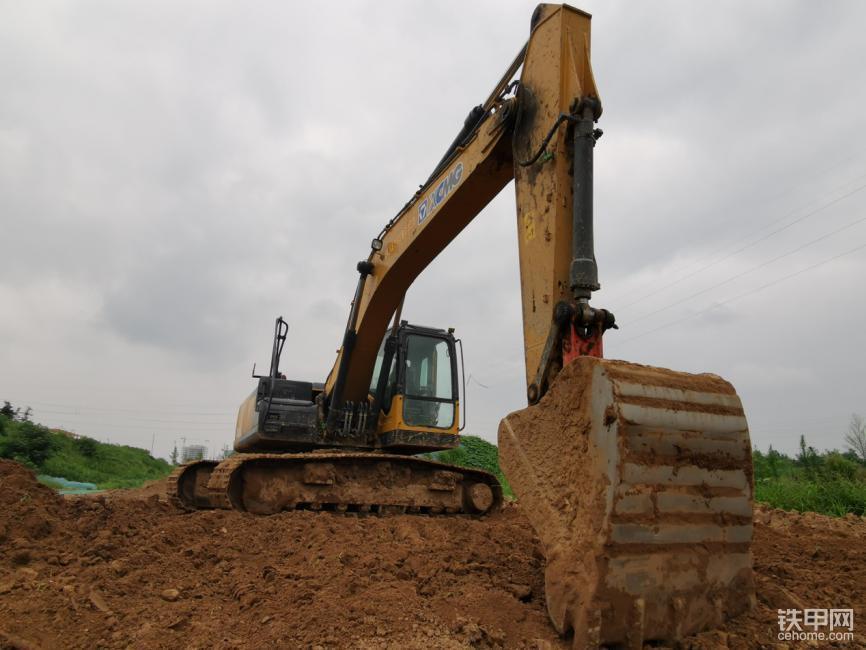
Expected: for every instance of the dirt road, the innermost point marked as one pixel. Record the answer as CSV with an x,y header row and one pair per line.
x,y
118,572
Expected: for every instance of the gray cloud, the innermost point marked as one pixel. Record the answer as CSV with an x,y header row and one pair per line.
x,y
173,176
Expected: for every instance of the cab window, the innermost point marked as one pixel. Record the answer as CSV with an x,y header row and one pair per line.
x,y
392,376
429,387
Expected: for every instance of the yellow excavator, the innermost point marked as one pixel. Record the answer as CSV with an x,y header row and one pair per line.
x,y
636,479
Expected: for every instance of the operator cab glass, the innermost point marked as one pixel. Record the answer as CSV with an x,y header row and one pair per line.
x,y
428,391
392,375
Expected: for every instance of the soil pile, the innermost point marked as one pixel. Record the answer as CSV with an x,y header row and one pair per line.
x,y
101,571
149,489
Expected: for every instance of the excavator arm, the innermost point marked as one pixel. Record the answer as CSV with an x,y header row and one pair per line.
x,y
542,136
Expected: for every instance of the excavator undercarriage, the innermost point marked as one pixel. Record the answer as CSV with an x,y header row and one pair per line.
x,y
358,482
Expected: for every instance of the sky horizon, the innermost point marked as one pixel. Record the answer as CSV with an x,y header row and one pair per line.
x,y
174,176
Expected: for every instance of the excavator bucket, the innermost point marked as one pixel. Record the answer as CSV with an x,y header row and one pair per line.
x,y
638,482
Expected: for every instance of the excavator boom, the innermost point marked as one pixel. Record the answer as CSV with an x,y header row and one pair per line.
x,y
532,138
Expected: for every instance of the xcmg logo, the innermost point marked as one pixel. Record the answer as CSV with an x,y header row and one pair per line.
x,y
431,203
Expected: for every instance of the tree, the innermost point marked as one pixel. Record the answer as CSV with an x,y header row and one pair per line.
x,y
773,458
856,436
26,416
808,458
8,410
174,455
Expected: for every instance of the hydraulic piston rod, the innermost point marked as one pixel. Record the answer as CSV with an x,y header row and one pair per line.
x,y
584,270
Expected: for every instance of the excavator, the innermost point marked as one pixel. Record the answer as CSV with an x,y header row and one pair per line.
x,y
636,479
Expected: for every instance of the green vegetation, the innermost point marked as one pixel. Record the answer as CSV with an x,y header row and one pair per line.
x,y
58,453
831,483
828,482
478,453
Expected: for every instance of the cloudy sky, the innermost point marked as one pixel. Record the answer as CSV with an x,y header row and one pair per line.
x,y
174,175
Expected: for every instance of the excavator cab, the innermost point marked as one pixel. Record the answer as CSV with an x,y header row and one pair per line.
x,y
414,390
412,405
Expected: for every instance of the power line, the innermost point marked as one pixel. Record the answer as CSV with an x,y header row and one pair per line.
x,y
703,268
743,295
40,404
167,425
789,213
746,237
138,419
746,272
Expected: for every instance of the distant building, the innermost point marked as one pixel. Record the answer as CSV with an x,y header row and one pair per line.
x,y
192,452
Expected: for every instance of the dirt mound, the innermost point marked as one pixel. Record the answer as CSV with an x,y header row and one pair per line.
x,y
119,572
149,489
802,561
114,572
28,509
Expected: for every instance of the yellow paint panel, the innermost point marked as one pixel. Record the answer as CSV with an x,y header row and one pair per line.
x,y
394,419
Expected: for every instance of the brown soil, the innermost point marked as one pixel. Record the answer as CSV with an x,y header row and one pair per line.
x,y
705,382
149,489
103,571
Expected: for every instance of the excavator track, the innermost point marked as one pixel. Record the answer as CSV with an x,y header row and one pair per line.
x,y
351,482
186,486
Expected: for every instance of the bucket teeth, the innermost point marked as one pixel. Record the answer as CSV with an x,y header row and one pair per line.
x,y
635,634
638,481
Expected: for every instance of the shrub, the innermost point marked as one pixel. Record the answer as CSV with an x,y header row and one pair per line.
x,y
87,446
28,442
836,466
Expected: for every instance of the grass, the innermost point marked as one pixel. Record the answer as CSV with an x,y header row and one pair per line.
x,y
830,497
